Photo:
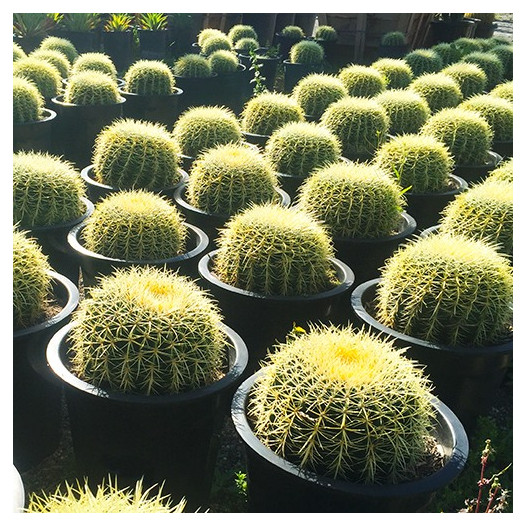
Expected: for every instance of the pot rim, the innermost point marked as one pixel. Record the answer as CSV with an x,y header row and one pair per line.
x,y
49,115
59,101
128,94
492,159
461,185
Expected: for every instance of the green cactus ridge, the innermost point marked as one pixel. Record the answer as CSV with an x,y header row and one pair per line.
x,y
266,112
503,172
206,33
393,38
44,75
293,32
439,90
149,77
131,153
31,280
227,178
448,52
396,72
135,225
88,88
467,45
471,78
28,103
18,52
326,33
407,110
362,81
504,53
498,112
203,127
504,90
345,404
240,31
490,64
47,190
192,66
95,61
298,148
161,334
353,200
60,44
424,61
307,52
447,289
214,43
316,91
246,45
55,58
223,62
466,133
272,250
418,162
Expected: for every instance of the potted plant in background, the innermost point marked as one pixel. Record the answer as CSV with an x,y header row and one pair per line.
x,y
393,44
362,81
338,420
327,37
305,57
424,61
396,72
287,37
152,32
447,27
147,397
117,39
80,30
29,29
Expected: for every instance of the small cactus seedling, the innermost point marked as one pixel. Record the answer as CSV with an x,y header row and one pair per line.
x,y
135,225
393,38
161,334
28,103
95,61
396,72
503,172
203,127
60,44
362,81
18,52
448,52
192,66
307,52
240,31
47,190
490,64
447,289
131,153
206,33
316,91
246,45
504,90
294,32
326,33
439,90
505,54
467,45
149,77
214,43
227,178
424,61
345,404
44,75
471,78
88,88
223,62
55,58
269,249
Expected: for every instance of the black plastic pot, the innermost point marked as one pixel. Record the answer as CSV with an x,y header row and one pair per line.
x,y
19,493
485,29
448,31
163,109
84,41
392,51
285,43
37,398
293,73
465,378
196,91
276,485
35,135
256,139
262,320
231,90
95,265
119,46
477,173
503,148
153,43
171,438
268,67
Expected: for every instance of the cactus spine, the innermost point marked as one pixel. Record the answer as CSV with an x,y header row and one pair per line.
x,y
149,77
362,81
28,103
94,61
498,112
306,52
396,72
470,78
316,91
192,66
44,75
88,88
424,61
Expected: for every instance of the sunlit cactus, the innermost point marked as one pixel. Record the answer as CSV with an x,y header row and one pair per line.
x,y
307,52
55,58
504,90
448,52
326,33
316,91
292,31
18,52
28,103
214,43
504,52
91,87
439,90
192,66
223,62
362,81
44,75
467,45
95,61
490,64
240,31
503,172
424,61
206,33
396,72
149,77
60,44
470,78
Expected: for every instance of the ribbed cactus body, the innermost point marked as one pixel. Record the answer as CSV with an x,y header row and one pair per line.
x,y
239,31
393,38
55,58
149,77
47,190
448,52
203,127
424,61
503,172
192,66
306,52
439,90
161,334
227,178
498,112
467,45
246,45
18,52
316,91
396,72
214,43
406,109
95,61
223,62
344,404
490,64
88,88
60,44
326,33
362,81
136,154
28,103
208,32
44,75
269,249
471,78
135,225
505,54
504,90
293,32
447,289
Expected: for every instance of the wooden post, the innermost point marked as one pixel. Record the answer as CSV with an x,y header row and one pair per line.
x,y
359,38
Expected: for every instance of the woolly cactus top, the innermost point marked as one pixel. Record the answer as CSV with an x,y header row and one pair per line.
x,y
396,72
439,90
149,77
95,61
60,44
55,58
470,77
91,87
362,81
497,111
192,66
28,103
306,52
316,91
424,61
240,31
223,62
44,75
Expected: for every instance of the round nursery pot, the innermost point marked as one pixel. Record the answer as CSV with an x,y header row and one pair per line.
x,y
256,139
293,73
196,91
95,265
330,49
399,51
98,191
19,494
268,66
35,135
262,320
153,108
53,240
231,90
472,173
37,399
153,43
426,208
171,438
276,485
285,43
504,148
465,378
119,46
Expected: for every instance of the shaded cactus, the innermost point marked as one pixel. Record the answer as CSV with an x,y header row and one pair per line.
x,y
60,44
416,161
135,225
295,32
448,52
214,43
307,52
149,77
467,45
318,389
44,75
28,103
498,112
490,64
18,52
424,61
223,62
466,133
470,78
440,91
55,58
246,45
95,61
316,91
393,38
161,334
407,110
227,178
447,289
88,88
269,249
240,31
47,190
203,127
504,90
192,66
503,172
353,200
362,81
130,153
208,32
396,72
504,53
326,33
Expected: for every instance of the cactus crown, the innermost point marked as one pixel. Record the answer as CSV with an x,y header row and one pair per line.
x,y
396,72
266,112
393,38
192,66
467,45
246,45
149,77
489,63
361,125
227,178
504,53
466,133
47,190
416,161
353,200
470,78
326,33
269,249
203,127
447,289
448,52
484,211
215,42
31,280
503,172
131,153
95,61
297,148
28,103
295,32
18,52
207,33
44,75
316,91
306,52
240,31
439,90
320,387
161,334
424,61
504,90
223,62
362,81
91,88
406,109
61,44
135,225
55,58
